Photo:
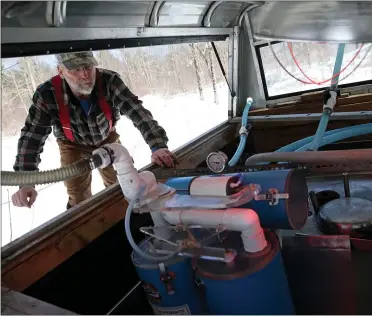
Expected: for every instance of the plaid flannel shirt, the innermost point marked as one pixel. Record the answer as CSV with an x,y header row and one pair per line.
x,y
88,130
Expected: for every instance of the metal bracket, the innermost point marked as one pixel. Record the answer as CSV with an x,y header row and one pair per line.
x,y
240,17
167,277
272,196
154,16
55,13
244,130
208,15
188,246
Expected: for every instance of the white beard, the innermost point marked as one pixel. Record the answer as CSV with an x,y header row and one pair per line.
x,y
79,89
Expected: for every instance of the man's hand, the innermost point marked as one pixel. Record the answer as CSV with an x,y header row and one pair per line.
x,y
24,197
163,157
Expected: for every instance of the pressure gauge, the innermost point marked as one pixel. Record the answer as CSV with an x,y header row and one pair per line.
x,y
217,161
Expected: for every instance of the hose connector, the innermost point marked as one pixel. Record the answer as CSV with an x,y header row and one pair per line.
x,y
244,130
330,100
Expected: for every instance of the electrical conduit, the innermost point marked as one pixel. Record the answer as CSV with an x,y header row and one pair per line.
x,y
243,134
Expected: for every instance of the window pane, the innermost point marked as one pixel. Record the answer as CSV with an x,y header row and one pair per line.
x,y
317,62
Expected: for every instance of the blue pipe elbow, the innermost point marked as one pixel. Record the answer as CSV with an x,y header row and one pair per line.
x,y
243,137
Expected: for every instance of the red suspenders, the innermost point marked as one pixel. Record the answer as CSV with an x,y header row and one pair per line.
x,y
64,110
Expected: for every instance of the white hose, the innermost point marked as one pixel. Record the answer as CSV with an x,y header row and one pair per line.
x,y
130,237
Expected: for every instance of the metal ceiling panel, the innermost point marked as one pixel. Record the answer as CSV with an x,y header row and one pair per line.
x,y
226,13
108,13
188,13
347,22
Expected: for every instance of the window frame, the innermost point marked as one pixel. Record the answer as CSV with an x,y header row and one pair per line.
x,y
279,97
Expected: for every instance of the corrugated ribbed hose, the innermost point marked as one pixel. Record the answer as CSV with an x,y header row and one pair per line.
x,y
22,178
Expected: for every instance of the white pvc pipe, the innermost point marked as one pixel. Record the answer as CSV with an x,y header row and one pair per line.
x,y
211,186
235,219
128,177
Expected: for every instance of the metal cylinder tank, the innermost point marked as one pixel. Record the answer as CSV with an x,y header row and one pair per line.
x,y
251,284
170,286
180,184
288,211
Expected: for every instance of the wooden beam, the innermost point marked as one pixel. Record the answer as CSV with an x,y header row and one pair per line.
x,y
15,303
26,267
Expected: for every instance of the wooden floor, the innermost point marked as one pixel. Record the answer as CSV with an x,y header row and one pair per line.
x,y
16,303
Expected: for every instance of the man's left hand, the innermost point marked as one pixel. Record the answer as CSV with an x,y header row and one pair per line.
x,y
163,157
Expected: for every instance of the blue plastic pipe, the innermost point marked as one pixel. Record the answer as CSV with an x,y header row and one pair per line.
x,y
338,65
366,129
327,112
306,141
243,138
321,130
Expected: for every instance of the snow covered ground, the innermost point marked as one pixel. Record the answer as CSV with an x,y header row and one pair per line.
x,y
184,117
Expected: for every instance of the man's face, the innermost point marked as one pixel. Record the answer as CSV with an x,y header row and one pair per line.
x,y
80,79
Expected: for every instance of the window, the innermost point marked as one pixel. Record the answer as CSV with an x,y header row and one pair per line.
x,y
176,83
317,62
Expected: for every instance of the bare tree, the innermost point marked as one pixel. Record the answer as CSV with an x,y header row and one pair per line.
x,y
212,72
197,70
175,67
206,53
146,71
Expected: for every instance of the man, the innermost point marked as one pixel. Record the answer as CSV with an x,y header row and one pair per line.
x,y
82,104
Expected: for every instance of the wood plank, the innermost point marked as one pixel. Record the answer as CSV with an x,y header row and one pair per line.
x,y
37,262
30,246
15,303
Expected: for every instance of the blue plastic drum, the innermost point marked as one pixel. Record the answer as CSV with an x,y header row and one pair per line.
x,y
172,291
253,284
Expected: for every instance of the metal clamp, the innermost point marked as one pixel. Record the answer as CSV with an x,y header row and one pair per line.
x,y
272,196
167,277
244,130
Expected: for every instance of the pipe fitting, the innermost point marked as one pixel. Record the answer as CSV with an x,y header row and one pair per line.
x,y
331,102
235,219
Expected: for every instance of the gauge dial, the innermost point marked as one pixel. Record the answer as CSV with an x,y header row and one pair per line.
x,y
217,161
